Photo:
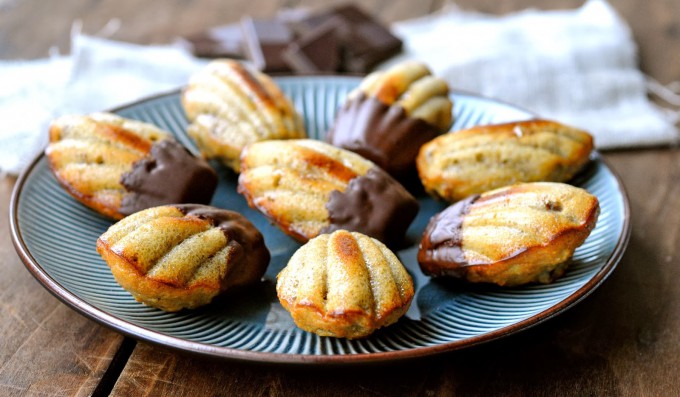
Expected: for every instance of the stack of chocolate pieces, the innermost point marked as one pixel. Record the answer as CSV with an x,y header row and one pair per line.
x,y
342,39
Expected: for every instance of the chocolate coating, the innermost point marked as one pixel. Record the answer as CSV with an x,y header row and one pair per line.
x,y
441,248
249,254
381,133
247,241
373,204
168,175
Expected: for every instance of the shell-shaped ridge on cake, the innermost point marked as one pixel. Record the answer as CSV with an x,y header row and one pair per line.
x,y
472,161
391,114
307,187
182,256
411,86
118,166
230,105
510,236
344,284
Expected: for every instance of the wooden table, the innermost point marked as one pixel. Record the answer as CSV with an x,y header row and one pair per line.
x,y
624,339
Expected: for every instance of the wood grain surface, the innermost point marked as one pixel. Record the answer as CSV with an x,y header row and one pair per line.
x,y
622,340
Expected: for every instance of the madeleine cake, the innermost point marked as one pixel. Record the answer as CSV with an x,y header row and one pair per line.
x,y
472,161
309,187
344,284
118,166
182,256
391,114
230,105
509,236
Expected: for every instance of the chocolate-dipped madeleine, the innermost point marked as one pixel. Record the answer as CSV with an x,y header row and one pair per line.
x,y
472,161
118,166
308,187
230,105
182,256
391,114
509,236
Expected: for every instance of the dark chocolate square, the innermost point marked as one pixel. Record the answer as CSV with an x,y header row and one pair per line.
x,y
370,45
364,41
317,50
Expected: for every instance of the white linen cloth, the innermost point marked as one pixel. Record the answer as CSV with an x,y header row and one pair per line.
x,y
98,75
575,66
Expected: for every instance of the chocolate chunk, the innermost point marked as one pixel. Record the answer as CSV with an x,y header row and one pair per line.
x,y
219,42
372,45
168,175
441,248
381,133
264,43
373,204
365,41
316,51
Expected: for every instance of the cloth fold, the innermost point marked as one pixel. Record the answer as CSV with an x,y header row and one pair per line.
x,y
98,75
574,66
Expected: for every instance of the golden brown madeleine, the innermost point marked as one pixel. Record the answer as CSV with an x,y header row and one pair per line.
x,y
231,105
344,284
391,114
510,236
118,166
182,256
456,165
308,187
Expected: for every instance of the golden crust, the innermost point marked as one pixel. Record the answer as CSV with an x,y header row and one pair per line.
x,y
456,165
391,114
510,236
345,285
172,259
411,86
230,106
291,181
89,154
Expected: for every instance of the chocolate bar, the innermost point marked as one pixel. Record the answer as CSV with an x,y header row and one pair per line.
x,y
364,40
342,39
264,42
316,51
370,44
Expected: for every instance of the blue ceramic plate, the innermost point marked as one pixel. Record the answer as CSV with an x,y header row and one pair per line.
x,y
55,236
